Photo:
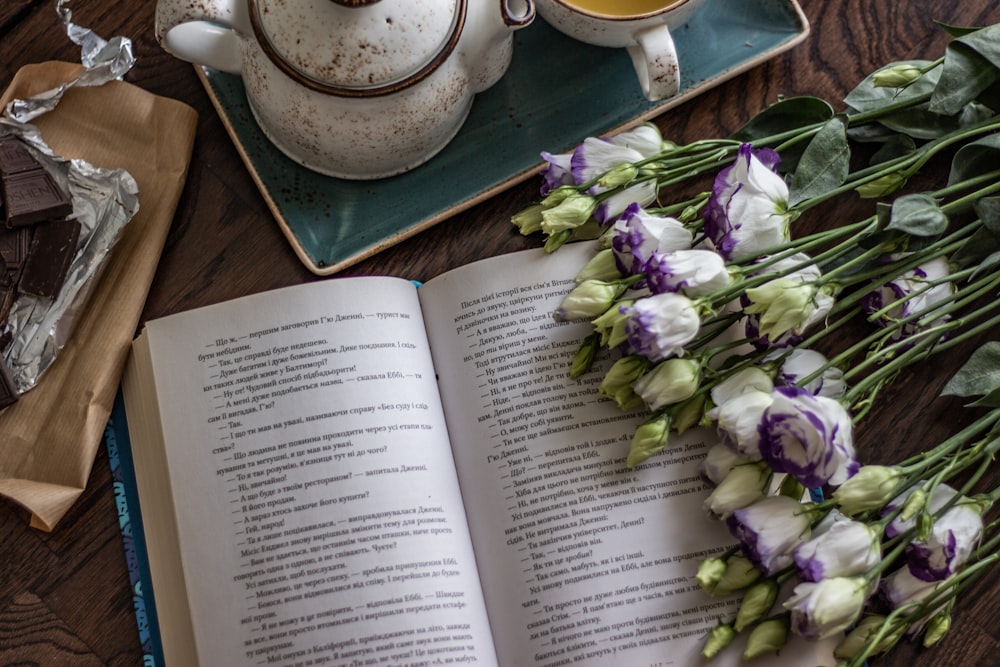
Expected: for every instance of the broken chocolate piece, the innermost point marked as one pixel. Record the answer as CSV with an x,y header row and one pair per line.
x,y
8,390
32,196
52,250
14,244
15,156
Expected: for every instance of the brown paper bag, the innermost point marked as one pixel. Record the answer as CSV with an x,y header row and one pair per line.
x,y
49,438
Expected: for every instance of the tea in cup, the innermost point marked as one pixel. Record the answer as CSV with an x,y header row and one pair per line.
x,y
642,27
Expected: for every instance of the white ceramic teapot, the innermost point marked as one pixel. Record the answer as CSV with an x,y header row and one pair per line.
x,y
355,89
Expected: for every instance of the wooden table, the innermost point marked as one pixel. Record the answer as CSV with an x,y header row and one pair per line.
x,y
64,596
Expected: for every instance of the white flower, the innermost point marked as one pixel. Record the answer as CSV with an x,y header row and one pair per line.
x,y
740,402
913,293
839,547
720,459
827,607
747,212
769,530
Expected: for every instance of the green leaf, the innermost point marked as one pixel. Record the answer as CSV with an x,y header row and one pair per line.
x,y
979,376
957,30
917,215
990,400
824,165
896,146
975,158
982,244
988,210
787,114
986,265
971,65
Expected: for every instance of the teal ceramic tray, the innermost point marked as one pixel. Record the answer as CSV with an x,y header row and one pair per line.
x,y
556,93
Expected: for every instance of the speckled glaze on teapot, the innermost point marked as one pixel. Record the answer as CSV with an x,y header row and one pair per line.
x,y
356,89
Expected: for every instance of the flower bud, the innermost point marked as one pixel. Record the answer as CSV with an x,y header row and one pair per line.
x,y
757,602
689,414
584,357
869,489
865,632
742,486
620,174
896,76
649,439
529,220
915,503
881,187
937,628
710,573
792,488
740,573
787,304
617,382
588,300
768,637
602,266
558,195
572,212
670,381
611,325
718,639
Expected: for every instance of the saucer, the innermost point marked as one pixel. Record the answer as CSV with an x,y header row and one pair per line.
x,y
556,93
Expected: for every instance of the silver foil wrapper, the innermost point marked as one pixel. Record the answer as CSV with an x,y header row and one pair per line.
x,y
104,201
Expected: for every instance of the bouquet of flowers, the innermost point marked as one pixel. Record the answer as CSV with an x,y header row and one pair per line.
x,y
712,313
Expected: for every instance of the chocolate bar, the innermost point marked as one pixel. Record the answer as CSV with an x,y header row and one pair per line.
x,y
53,247
32,196
15,156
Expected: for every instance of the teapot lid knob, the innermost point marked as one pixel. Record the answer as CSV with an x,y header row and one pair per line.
x,y
355,3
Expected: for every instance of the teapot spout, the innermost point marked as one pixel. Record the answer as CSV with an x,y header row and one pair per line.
x,y
490,44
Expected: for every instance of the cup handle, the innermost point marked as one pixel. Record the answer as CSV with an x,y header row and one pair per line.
x,y
206,33
655,60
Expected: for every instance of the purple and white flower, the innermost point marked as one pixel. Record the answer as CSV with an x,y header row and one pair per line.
x,y
769,530
659,326
557,172
809,437
802,363
901,588
839,547
638,234
747,212
827,607
917,291
952,538
693,272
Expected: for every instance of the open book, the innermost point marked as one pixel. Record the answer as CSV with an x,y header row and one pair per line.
x,y
356,471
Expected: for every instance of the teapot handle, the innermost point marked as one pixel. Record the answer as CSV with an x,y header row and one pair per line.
x,y
206,33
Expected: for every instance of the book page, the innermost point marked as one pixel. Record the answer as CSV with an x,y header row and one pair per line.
x,y
583,560
318,515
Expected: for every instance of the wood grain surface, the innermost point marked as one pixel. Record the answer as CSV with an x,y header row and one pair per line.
x,y
64,596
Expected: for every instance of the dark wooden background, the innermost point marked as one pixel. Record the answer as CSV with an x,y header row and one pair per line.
x,y
64,596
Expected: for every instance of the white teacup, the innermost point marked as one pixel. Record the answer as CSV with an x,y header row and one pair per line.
x,y
642,27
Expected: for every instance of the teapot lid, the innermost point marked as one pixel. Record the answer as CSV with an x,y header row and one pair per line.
x,y
358,48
